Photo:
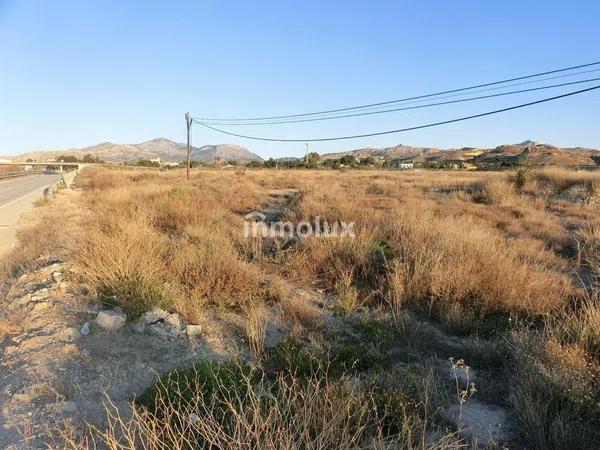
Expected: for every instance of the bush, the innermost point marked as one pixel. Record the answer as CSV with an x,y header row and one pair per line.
x,y
221,406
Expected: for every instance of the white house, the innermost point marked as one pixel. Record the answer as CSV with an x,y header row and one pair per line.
x,y
405,165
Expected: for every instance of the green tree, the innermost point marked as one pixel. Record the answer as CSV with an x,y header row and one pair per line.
x,y
67,159
368,161
270,163
348,161
87,158
146,163
332,163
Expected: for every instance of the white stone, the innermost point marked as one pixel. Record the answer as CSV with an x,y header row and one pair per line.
x,y
85,329
57,276
193,330
111,320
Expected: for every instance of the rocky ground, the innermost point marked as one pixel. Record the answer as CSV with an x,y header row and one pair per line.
x,y
64,354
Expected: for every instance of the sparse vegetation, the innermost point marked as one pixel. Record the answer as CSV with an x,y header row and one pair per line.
x,y
508,260
229,407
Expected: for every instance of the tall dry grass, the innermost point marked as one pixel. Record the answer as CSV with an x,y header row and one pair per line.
x,y
443,256
560,179
469,244
151,242
248,413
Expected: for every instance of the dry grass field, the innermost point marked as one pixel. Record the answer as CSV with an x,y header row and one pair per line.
x,y
498,269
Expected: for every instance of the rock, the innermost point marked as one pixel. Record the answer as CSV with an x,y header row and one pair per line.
x,y
112,320
153,316
62,408
57,276
483,422
56,267
160,323
176,322
40,307
193,330
85,329
72,333
273,337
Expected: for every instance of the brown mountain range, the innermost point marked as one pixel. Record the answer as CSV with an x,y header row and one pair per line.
x,y
162,148
528,152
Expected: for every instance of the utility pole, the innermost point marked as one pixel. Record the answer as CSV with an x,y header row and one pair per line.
x,y
188,124
306,156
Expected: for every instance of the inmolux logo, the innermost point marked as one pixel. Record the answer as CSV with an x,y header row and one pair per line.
x,y
255,226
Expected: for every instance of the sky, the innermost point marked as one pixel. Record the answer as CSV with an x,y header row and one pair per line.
x,y
75,73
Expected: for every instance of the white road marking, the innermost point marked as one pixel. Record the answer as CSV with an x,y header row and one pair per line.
x,y
35,191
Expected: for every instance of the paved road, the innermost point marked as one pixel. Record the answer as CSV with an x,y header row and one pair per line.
x,y
17,196
14,189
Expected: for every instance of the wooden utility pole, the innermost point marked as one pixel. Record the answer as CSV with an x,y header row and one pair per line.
x,y
306,154
188,124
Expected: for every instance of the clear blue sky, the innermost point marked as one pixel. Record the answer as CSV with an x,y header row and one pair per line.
x,y
75,73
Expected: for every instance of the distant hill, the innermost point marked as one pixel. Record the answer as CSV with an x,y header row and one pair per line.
x,y
397,151
529,143
538,155
225,152
162,148
527,152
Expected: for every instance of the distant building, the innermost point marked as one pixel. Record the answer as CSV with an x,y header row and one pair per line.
x,y
406,165
155,160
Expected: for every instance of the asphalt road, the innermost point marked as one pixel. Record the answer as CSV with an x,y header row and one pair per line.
x,y
17,196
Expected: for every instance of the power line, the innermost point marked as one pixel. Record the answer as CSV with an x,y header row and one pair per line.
x,y
414,102
535,75
368,113
380,133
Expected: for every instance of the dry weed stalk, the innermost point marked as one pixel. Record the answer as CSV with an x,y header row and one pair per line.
x,y
256,328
